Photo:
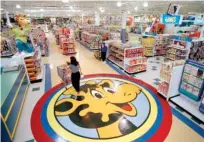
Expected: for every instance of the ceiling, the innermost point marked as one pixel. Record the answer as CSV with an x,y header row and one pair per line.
x,y
60,9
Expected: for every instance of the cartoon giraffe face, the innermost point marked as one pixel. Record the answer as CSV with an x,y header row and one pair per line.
x,y
101,98
21,20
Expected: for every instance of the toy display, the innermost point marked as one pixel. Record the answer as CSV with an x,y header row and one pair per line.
x,y
197,51
179,49
170,75
192,80
34,67
8,46
161,46
68,46
148,43
128,58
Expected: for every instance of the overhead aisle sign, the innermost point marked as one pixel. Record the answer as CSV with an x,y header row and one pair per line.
x,y
171,19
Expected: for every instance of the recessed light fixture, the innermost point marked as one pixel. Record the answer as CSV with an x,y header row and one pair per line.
x,y
119,4
136,8
41,10
145,4
18,6
2,9
71,7
128,12
65,1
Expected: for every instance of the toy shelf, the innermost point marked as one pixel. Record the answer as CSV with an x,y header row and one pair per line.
x,y
34,67
170,75
130,59
179,49
191,89
68,46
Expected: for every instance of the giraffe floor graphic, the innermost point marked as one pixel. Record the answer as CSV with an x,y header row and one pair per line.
x,y
109,108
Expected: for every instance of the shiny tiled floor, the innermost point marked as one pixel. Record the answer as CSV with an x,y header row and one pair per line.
x,y
179,131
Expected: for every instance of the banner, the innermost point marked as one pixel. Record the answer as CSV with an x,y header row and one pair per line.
x,y
171,19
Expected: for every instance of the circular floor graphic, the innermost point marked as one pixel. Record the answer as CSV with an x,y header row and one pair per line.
x,y
109,108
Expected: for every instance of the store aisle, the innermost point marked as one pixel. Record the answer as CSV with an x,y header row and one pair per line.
x,y
178,132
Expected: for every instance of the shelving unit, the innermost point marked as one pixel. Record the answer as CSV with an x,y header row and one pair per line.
x,y
148,42
34,67
161,46
179,49
170,75
191,89
128,58
68,46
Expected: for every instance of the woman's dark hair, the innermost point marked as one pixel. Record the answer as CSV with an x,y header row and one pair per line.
x,y
74,61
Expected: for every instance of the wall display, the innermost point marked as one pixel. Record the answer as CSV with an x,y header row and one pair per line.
x,y
197,51
192,81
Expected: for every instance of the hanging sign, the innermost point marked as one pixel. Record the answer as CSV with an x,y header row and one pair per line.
x,y
171,19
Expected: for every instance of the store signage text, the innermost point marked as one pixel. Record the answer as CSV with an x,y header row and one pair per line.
x,y
171,19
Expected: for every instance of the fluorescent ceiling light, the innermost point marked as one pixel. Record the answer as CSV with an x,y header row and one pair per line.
x,y
71,7
136,8
102,10
41,10
128,12
119,4
65,1
145,4
18,6
2,9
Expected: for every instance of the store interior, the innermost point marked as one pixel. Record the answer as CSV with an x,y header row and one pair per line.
x,y
141,66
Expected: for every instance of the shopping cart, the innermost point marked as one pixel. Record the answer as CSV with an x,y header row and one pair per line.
x,y
64,73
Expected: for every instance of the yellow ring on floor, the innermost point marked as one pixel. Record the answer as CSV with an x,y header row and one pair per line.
x,y
129,137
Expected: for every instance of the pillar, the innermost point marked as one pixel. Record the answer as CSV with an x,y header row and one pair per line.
x,y
97,19
123,23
